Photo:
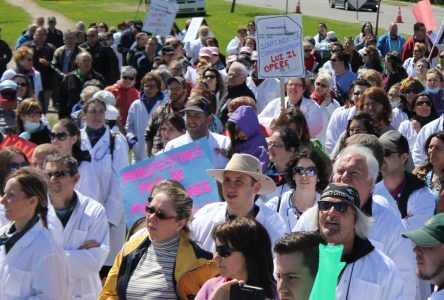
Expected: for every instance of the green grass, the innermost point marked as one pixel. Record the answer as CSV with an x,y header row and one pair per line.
x,y
221,21
13,20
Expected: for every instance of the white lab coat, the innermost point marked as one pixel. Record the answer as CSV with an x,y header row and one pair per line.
x,y
385,235
214,214
309,108
437,295
34,268
407,130
339,121
289,217
87,182
371,277
108,185
418,154
87,222
420,206
265,92
327,111
136,123
215,140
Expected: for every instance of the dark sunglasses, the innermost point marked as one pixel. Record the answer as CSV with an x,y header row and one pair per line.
x,y
209,76
61,136
322,85
339,206
159,214
127,78
334,60
422,103
224,250
58,174
308,50
388,152
21,84
310,171
15,166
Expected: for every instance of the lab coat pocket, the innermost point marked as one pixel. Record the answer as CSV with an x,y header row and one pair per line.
x,y
17,283
79,237
365,289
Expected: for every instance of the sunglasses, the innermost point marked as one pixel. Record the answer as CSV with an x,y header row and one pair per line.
x,y
422,103
310,171
321,85
209,76
334,60
15,166
159,214
224,250
339,206
58,174
388,152
308,50
21,84
127,78
61,136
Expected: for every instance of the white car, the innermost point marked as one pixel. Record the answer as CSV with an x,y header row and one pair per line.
x,y
190,7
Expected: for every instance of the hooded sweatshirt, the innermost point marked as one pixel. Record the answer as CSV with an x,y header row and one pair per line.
x,y
246,119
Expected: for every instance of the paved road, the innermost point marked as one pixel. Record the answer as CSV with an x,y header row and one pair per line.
x,y
320,8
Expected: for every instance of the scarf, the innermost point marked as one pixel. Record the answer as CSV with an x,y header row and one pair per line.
x,y
94,134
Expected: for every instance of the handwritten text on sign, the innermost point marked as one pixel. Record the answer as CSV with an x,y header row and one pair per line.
x,y
186,164
280,51
160,17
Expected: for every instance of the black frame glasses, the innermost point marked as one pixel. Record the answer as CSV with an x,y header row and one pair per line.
x,y
224,250
309,171
158,213
340,207
388,152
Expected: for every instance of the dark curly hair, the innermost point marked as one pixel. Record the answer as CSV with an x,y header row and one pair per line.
x,y
322,164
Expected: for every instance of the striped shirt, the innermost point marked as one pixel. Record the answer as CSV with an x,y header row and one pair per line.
x,y
153,276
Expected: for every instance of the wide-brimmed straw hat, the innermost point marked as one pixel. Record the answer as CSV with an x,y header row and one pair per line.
x,y
249,165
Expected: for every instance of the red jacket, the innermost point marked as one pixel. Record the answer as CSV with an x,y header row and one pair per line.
x,y
124,98
407,49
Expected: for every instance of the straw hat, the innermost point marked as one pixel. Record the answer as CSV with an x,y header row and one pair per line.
x,y
249,165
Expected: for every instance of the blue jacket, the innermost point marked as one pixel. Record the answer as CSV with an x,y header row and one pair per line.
x,y
246,119
383,44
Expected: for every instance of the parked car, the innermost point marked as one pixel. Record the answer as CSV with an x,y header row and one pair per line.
x,y
348,5
190,7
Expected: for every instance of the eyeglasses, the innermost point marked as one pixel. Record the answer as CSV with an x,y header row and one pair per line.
x,y
224,250
339,206
309,171
127,78
61,136
15,166
159,214
422,103
58,174
272,144
388,152
23,84
321,85
209,76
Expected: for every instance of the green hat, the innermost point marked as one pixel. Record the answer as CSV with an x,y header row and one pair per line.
x,y
431,234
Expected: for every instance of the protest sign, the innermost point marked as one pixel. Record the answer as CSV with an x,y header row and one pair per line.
x,y
186,164
160,17
12,140
193,29
279,44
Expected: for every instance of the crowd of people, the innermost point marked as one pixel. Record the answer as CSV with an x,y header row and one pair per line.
x,y
355,157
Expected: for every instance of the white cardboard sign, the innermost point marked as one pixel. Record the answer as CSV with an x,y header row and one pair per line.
x,y
193,29
160,17
280,46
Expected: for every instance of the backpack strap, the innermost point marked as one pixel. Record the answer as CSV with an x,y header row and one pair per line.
x,y
112,143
